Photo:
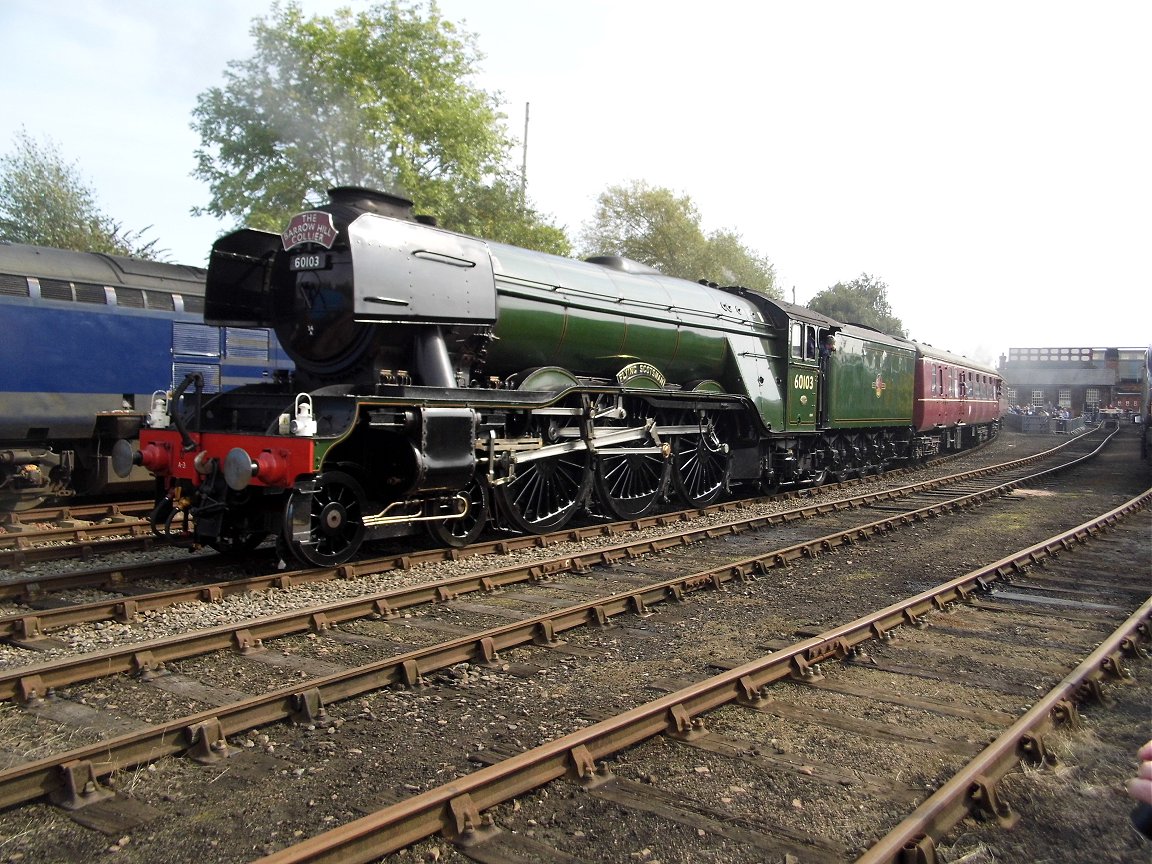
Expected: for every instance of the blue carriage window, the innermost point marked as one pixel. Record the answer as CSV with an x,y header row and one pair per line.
x,y
55,289
132,298
210,374
246,342
159,300
13,286
198,340
86,293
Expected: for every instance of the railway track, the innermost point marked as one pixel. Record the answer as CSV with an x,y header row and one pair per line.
x,y
24,521
755,687
87,532
809,698
34,608
80,532
416,652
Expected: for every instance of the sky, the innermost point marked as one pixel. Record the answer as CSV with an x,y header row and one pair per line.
x,y
990,162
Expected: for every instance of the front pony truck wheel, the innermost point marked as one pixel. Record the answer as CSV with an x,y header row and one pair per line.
x,y
324,528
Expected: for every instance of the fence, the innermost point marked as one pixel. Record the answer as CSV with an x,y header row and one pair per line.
x,y
1041,424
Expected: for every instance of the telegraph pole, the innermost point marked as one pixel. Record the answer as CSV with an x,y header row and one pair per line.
x,y
524,160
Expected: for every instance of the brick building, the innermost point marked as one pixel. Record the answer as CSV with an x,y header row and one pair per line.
x,y
1079,379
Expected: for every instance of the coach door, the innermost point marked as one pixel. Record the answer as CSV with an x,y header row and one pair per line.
x,y
803,384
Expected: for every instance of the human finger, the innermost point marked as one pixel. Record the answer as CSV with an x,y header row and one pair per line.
x,y
1141,790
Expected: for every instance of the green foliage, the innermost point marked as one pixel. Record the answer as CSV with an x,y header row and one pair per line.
x,y
736,264
864,300
657,228
379,98
45,202
493,212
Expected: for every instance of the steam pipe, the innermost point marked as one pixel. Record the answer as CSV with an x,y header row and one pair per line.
x,y
185,438
430,353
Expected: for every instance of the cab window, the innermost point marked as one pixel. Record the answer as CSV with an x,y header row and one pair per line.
x,y
804,345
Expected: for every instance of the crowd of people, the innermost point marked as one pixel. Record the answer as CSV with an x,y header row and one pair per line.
x,y
1036,411
1091,414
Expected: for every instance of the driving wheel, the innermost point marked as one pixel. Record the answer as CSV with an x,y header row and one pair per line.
x,y
545,493
700,463
628,485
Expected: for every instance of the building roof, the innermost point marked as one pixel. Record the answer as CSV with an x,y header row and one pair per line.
x,y
1021,376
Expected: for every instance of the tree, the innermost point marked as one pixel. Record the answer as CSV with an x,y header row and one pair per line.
x,y
494,211
733,263
657,228
864,300
45,202
379,98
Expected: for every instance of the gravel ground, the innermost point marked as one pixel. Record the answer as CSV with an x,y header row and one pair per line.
x,y
293,782
194,616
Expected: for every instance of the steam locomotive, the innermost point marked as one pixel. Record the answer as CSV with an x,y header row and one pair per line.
x,y
89,340
446,383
